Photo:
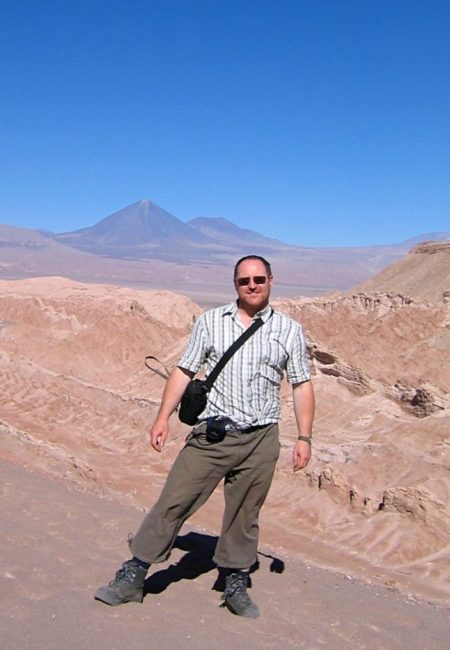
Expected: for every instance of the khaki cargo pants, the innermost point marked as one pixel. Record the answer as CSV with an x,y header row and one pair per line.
x,y
246,460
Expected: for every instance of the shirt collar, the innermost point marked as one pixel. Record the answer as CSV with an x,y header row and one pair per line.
x,y
232,308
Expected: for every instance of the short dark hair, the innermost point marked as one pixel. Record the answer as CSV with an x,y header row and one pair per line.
x,y
253,257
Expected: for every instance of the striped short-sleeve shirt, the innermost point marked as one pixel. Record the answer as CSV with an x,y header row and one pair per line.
x,y
248,388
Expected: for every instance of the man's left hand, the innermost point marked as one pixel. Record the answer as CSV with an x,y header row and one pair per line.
x,y
301,454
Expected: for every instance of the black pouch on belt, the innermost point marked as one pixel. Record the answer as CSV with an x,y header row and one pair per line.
x,y
216,429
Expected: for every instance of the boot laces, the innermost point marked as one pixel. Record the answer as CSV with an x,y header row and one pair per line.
x,y
126,573
236,588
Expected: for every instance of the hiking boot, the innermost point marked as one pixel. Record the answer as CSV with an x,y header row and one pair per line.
x,y
127,586
236,597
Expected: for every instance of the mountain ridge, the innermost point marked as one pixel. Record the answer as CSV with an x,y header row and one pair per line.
x,y
144,245
146,214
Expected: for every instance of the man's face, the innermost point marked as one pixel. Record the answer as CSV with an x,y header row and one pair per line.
x,y
252,285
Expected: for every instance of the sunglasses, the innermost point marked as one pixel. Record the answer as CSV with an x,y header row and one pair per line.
x,y
257,279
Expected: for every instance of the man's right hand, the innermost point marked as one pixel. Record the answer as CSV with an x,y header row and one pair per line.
x,y
173,392
158,434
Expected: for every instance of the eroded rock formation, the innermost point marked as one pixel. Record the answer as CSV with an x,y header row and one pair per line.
x,y
77,401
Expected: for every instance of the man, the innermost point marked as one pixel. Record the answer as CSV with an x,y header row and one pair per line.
x,y
243,408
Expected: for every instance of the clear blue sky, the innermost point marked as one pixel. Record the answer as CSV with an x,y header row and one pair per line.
x,y
319,122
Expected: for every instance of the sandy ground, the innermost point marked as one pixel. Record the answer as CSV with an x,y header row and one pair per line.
x,y
60,544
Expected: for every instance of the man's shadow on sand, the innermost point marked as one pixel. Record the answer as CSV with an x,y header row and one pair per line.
x,y
197,560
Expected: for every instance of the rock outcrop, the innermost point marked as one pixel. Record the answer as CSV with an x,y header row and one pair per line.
x,y
424,274
390,338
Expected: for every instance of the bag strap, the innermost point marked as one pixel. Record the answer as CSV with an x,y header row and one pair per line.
x,y
155,370
211,378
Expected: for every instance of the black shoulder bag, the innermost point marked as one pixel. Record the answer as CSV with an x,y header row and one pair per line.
x,y
195,396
